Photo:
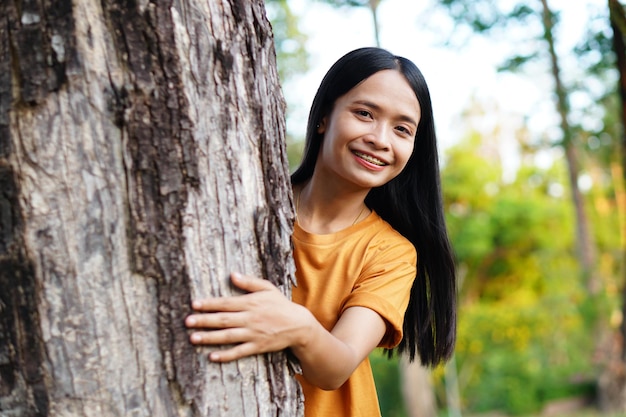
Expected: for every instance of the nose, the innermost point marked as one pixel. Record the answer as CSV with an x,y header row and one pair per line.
x,y
379,137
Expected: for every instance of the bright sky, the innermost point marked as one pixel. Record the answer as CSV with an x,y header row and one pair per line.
x,y
409,29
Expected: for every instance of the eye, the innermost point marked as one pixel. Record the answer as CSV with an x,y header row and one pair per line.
x,y
363,113
404,130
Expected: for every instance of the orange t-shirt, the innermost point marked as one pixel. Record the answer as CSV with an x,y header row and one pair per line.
x,y
369,265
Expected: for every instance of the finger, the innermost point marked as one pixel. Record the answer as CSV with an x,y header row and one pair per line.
x,y
250,283
215,320
218,304
236,352
245,282
218,337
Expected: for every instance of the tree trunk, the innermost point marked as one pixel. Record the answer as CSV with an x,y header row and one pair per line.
x,y
142,159
373,5
612,382
586,250
417,390
618,25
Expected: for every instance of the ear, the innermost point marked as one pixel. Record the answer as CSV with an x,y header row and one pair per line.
x,y
321,126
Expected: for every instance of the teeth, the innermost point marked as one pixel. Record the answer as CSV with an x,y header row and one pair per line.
x,y
370,159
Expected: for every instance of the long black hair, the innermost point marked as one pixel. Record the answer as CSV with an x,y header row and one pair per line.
x,y
411,203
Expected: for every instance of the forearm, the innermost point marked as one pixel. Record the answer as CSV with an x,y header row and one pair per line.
x,y
326,361
264,320
329,358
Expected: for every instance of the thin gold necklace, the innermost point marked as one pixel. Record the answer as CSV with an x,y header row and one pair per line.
x,y
353,223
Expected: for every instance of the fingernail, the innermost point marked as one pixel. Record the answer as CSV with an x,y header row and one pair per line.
x,y
195,337
214,356
191,321
237,275
196,304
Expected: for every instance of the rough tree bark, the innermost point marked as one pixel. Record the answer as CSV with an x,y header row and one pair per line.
x,y
142,158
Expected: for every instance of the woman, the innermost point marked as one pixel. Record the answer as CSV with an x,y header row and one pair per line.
x,y
368,203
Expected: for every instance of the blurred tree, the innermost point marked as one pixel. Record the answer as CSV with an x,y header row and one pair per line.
x,y
612,382
618,25
373,6
417,390
487,16
292,60
518,284
522,337
289,42
603,55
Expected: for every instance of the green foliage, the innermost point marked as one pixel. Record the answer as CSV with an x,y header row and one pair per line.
x,y
521,351
292,59
290,44
484,16
295,150
387,379
597,46
525,315
517,62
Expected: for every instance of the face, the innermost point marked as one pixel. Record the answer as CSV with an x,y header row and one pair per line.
x,y
369,135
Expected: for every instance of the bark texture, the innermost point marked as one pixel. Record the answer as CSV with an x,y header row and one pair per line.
x,y
142,159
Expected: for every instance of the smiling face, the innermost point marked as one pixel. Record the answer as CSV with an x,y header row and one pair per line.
x,y
369,134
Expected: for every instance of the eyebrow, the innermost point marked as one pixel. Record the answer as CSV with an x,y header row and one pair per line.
x,y
375,106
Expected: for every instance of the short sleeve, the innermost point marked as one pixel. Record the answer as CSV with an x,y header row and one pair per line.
x,y
385,285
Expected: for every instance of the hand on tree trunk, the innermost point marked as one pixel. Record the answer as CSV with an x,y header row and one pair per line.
x,y
263,320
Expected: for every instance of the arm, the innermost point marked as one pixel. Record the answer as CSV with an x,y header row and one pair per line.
x,y
264,320
329,358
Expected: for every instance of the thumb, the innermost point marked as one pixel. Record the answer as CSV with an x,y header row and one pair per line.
x,y
250,283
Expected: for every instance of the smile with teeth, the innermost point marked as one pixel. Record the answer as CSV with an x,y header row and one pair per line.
x,y
370,159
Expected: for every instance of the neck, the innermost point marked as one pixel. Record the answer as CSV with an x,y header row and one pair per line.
x,y
324,209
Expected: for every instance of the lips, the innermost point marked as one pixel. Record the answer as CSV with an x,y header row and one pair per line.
x,y
370,159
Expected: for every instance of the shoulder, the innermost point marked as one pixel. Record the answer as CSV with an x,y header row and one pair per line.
x,y
387,239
